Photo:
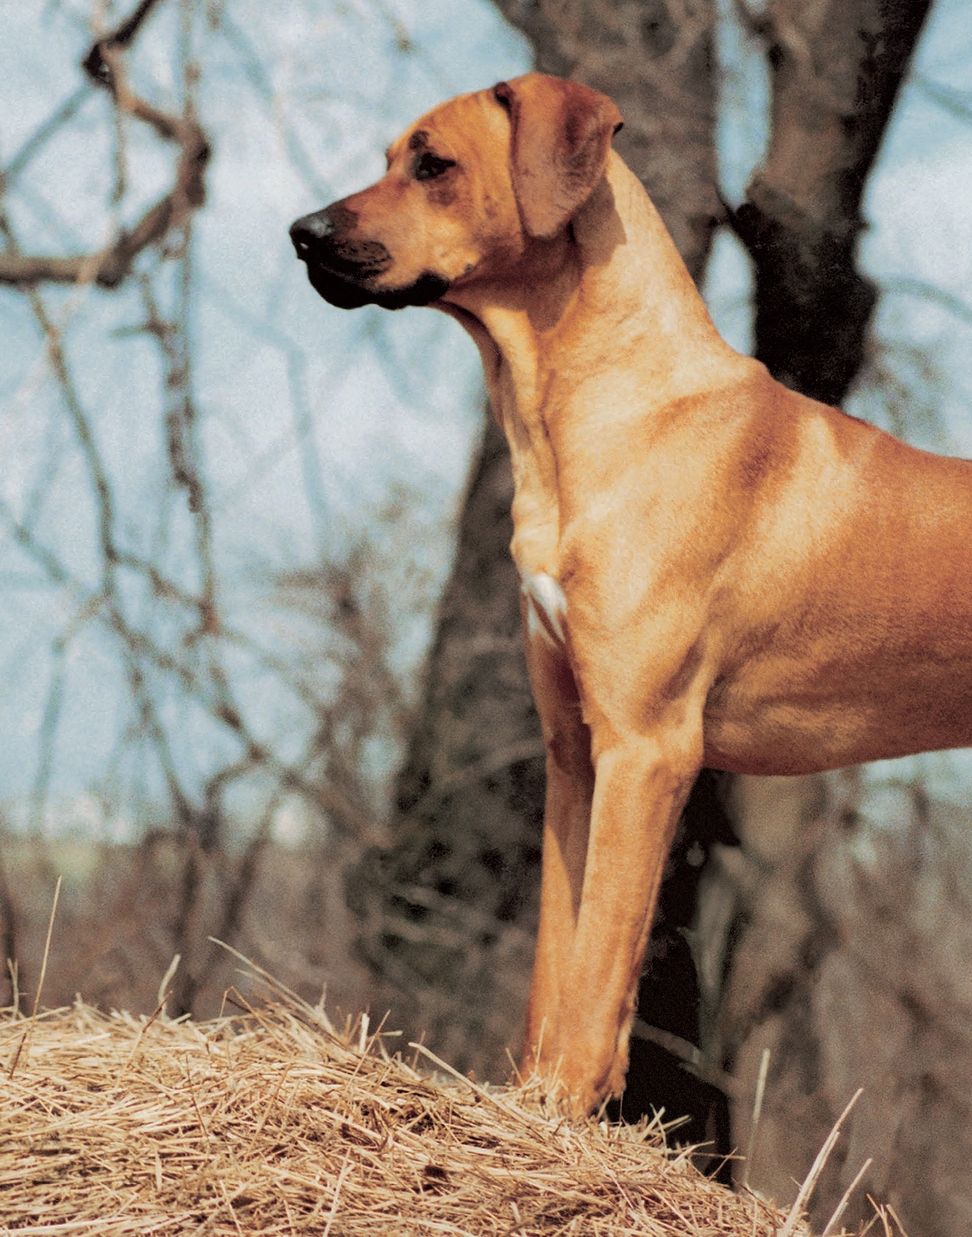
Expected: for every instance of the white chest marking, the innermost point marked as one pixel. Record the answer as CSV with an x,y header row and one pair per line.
x,y
546,608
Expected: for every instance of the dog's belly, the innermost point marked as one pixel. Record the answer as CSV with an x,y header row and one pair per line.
x,y
836,720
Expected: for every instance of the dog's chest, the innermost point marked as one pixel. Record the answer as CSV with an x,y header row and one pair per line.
x,y
546,608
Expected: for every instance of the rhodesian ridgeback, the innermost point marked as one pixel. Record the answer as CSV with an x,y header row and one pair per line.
x,y
716,571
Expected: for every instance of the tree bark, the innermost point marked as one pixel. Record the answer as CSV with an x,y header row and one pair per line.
x,y
836,68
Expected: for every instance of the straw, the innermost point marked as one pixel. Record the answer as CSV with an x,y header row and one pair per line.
x,y
273,1122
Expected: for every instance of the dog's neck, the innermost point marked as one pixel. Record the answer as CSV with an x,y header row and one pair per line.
x,y
612,285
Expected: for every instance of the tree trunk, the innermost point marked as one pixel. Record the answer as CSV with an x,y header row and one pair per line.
x,y
836,69
447,914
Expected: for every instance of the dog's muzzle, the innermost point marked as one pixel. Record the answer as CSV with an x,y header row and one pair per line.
x,y
339,266
344,268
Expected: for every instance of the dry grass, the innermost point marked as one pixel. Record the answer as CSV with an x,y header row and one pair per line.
x,y
274,1122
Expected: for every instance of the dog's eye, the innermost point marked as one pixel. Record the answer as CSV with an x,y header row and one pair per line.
x,y
429,166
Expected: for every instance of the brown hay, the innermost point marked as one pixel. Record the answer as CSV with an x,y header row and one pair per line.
x,y
276,1123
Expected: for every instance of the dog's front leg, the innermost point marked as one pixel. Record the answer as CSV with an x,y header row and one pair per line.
x,y
566,818
640,789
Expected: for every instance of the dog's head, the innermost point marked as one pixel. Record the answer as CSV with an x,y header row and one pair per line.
x,y
468,188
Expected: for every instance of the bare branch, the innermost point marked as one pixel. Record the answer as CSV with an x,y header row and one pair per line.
x,y
957,102
109,266
955,305
43,134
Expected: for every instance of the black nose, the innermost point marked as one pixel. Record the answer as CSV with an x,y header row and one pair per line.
x,y
311,233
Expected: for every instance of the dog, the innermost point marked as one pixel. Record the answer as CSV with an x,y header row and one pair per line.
x,y
715,570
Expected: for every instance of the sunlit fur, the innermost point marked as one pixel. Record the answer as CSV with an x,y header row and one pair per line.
x,y
716,569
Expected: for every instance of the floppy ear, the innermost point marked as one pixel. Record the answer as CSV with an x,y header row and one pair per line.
x,y
561,135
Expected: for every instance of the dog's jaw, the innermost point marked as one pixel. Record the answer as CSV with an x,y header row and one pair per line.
x,y
346,293
347,269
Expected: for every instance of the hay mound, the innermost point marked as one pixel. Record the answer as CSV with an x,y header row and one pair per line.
x,y
275,1123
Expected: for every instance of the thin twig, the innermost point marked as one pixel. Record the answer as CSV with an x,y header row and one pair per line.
x,y
109,266
823,1155
830,1229
40,983
757,1113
